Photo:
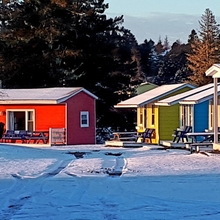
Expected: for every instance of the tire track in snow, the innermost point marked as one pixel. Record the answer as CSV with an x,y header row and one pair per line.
x,y
12,205
119,167
62,165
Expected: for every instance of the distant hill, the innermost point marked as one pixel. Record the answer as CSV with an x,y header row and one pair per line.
x,y
155,25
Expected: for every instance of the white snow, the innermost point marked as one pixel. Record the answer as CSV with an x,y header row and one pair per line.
x,y
52,184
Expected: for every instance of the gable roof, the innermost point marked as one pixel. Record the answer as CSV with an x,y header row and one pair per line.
x,y
177,98
40,95
213,71
200,97
152,95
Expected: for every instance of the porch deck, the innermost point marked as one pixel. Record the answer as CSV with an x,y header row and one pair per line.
x,y
171,144
134,144
193,147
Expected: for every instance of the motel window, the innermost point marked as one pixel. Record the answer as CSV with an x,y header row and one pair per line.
x,y
153,115
211,119
84,119
30,118
20,119
186,115
141,116
211,113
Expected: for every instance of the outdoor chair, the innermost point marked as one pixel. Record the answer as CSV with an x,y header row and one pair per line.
x,y
181,134
147,134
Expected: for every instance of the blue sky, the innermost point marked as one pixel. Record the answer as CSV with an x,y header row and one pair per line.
x,y
154,19
143,7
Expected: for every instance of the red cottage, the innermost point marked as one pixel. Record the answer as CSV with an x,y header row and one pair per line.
x,y
44,108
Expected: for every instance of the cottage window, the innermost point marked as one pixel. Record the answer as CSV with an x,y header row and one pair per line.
x,y
84,119
141,116
30,121
186,115
211,116
152,114
20,119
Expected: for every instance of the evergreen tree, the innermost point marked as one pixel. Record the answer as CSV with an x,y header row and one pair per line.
x,y
192,37
146,51
205,49
69,43
159,48
166,45
172,66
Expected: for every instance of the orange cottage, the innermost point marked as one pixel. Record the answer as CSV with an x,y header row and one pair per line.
x,y
71,109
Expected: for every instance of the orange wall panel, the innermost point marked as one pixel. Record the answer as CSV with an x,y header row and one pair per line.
x,y
46,116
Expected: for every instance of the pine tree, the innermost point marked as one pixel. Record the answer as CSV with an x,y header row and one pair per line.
x,y
205,49
192,37
159,48
68,43
166,45
146,51
172,65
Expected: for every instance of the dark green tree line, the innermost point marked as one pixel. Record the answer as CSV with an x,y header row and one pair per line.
x,y
73,43
69,43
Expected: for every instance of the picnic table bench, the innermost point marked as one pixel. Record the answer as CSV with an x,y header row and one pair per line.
x,y
195,147
124,136
37,136
25,136
134,136
200,139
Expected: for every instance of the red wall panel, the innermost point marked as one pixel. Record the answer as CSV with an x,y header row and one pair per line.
x,y
76,134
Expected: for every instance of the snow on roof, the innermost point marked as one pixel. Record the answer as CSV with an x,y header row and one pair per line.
x,y
151,95
40,95
175,99
214,71
200,97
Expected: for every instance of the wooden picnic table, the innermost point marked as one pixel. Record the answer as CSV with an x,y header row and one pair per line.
x,y
200,139
196,136
26,136
125,136
37,136
134,135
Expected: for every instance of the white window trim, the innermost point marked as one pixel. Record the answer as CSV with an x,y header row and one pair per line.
x,y
26,116
84,113
153,114
189,120
211,117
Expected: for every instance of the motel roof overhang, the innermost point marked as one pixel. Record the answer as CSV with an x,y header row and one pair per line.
x,y
214,71
152,95
178,98
200,97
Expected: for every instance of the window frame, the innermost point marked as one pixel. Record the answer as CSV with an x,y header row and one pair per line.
x,y
86,124
26,111
153,108
187,115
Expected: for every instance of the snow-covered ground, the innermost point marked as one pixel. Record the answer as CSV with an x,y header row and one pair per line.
x,y
98,182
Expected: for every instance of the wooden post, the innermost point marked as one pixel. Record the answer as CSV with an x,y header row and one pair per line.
x,y
215,110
